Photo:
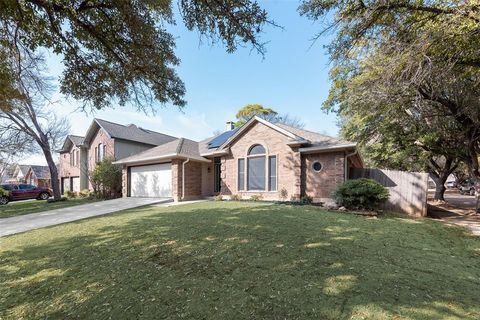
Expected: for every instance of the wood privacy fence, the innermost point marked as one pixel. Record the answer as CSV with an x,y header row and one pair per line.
x,y
408,190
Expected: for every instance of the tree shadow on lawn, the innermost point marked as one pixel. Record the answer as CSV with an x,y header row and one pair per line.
x,y
243,261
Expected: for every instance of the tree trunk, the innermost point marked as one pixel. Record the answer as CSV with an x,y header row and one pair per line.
x,y
440,186
53,173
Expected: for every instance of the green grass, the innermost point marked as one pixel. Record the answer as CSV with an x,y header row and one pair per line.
x,y
13,208
220,260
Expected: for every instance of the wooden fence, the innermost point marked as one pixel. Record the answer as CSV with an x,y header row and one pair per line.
x,y
408,190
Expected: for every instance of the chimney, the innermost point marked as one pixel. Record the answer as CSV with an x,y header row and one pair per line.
x,y
229,126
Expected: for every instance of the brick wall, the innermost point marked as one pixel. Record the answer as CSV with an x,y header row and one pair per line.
x,y
288,162
100,137
320,185
65,169
193,180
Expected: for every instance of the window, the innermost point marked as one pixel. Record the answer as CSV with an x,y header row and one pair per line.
x,y
77,157
256,149
100,151
317,166
258,171
272,173
241,174
96,154
26,187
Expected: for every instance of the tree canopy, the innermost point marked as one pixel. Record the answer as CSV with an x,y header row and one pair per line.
x,y
408,72
119,50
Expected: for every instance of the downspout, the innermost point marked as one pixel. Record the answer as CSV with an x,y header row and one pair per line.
x,y
183,177
346,162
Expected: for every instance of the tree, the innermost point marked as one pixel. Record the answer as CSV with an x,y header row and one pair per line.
x,y
120,50
251,110
423,53
107,180
26,122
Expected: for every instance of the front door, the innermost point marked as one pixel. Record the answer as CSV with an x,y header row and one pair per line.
x,y
217,174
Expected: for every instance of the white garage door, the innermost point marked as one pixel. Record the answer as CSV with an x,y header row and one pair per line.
x,y
76,184
151,181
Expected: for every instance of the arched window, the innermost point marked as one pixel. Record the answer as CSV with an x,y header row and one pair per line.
x,y
259,170
256,149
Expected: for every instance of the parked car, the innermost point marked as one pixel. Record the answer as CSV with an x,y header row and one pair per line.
x,y
24,192
467,188
451,184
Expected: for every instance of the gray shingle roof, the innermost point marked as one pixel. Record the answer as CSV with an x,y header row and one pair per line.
x,y
179,147
133,133
77,140
41,172
315,138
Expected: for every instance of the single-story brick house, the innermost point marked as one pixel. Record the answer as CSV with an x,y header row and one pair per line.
x,y
39,176
274,161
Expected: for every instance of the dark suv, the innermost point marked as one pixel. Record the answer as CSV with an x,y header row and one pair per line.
x,y
24,192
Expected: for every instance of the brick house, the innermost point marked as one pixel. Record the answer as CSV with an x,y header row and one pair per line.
x,y
274,161
103,139
38,176
19,174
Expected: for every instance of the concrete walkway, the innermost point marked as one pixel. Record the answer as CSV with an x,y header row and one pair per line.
x,y
13,225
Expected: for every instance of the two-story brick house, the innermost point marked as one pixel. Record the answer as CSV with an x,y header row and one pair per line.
x,y
80,155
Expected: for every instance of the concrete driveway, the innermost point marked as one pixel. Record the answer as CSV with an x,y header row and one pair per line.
x,y
458,210
43,219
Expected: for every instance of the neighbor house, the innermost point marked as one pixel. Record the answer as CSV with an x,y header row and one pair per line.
x,y
38,176
103,139
19,174
274,161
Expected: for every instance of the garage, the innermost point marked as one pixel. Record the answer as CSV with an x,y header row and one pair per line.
x,y
151,181
76,184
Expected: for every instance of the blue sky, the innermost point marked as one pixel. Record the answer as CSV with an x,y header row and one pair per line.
x,y
291,78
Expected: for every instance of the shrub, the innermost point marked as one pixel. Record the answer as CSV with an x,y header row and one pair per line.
x,y
3,192
306,200
256,197
107,180
236,197
360,194
70,194
84,193
218,197
283,194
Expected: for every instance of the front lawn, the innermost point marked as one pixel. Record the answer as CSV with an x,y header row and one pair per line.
x,y
24,207
220,260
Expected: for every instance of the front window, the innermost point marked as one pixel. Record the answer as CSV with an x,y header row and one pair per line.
x,y
256,173
258,170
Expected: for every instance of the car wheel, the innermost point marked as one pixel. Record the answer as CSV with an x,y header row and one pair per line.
x,y
3,200
44,196
472,192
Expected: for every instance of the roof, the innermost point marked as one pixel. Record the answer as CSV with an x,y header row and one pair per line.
x,y
297,136
315,138
23,168
179,148
129,132
77,140
309,141
41,172
71,140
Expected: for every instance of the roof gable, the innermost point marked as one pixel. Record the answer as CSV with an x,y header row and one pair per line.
x,y
70,141
250,123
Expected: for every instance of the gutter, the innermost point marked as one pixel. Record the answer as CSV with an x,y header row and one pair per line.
x,y
346,162
183,177
159,158
327,149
